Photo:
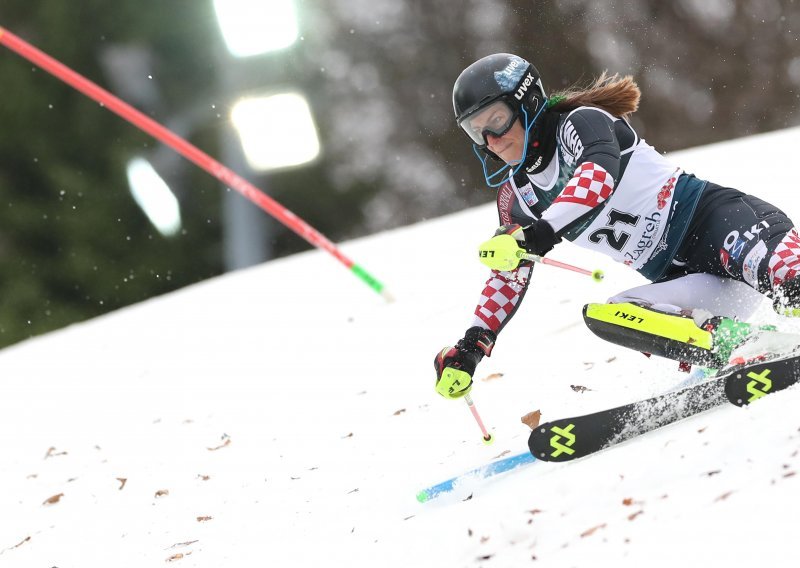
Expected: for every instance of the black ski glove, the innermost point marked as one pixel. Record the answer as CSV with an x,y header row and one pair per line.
x,y
540,238
456,365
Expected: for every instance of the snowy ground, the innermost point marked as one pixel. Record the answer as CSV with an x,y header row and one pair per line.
x,y
285,416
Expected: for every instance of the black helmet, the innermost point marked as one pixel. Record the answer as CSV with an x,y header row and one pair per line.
x,y
499,77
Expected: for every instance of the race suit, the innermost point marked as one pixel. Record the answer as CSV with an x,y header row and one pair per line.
x,y
607,190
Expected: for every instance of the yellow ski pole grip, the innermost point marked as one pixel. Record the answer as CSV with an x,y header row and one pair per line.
x,y
500,253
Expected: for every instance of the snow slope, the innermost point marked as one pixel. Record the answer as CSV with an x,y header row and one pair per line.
x,y
285,416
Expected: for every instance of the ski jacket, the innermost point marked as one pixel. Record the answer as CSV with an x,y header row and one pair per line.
x,y
605,189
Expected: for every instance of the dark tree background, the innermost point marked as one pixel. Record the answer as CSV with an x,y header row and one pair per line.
x,y
378,75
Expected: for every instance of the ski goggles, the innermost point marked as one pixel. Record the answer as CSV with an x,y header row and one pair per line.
x,y
495,119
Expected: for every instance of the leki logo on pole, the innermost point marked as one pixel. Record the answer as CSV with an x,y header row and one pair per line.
x,y
760,385
555,441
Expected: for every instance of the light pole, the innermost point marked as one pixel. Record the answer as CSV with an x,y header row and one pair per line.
x,y
252,28
246,230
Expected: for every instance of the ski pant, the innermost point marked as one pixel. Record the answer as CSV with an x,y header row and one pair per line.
x,y
737,249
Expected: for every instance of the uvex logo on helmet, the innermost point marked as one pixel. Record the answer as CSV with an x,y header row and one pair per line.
x,y
513,64
523,88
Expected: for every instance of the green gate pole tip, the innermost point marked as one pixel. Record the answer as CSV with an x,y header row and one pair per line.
x,y
372,282
422,496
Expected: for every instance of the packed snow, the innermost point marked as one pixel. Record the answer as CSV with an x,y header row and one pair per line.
x,y
285,415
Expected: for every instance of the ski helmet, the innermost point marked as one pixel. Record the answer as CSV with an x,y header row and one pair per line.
x,y
508,80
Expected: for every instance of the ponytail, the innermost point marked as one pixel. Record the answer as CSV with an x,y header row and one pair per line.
x,y
614,94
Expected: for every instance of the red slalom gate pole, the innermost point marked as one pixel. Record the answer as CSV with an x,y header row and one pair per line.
x,y
187,150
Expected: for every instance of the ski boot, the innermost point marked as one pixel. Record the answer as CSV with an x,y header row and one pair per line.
x,y
786,298
730,335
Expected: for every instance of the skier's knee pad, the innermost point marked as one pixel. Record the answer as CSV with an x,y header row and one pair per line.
x,y
643,329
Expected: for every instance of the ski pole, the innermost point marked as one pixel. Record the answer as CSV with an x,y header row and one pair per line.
x,y
487,437
188,151
597,275
503,252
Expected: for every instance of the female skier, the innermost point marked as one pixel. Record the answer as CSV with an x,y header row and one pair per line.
x,y
571,167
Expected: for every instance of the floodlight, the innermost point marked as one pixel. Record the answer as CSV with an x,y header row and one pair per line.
x,y
276,131
153,195
253,27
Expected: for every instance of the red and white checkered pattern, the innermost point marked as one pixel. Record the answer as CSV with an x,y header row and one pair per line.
x,y
784,264
500,297
590,186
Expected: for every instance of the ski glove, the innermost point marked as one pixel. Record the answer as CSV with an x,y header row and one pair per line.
x,y
502,251
540,238
456,365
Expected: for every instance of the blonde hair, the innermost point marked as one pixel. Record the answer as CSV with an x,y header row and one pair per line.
x,y
612,93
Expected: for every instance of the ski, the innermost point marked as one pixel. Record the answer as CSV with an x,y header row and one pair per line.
x,y
577,437
572,438
489,470
756,380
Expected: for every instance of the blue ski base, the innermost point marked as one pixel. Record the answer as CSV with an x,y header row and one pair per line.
x,y
488,470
